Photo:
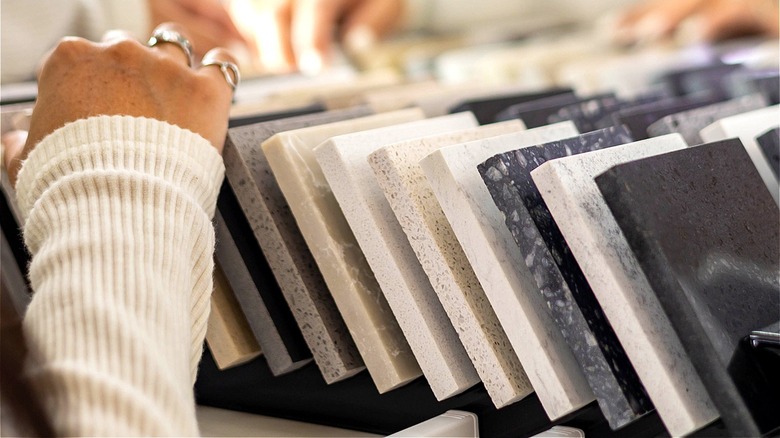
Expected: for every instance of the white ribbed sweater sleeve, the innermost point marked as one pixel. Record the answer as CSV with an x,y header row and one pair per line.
x,y
117,218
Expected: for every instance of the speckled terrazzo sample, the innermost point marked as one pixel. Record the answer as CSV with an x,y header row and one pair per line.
x,y
498,264
638,118
747,126
399,175
689,123
349,278
422,319
278,351
273,226
535,113
568,188
769,142
569,299
486,109
707,238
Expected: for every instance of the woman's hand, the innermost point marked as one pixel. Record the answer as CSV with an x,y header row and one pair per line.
x,y
120,76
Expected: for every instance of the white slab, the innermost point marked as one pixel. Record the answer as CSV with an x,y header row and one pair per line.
x,y
399,175
747,127
426,326
570,192
498,264
357,295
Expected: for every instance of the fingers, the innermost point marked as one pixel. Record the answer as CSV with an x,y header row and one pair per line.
x,y
369,21
115,35
219,64
654,20
312,30
173,42
13,145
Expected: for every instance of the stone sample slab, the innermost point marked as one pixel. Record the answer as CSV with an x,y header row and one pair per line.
x,y
434,342
568,188
498,264
559,279
535,113
770,146
407,191
228,335
689,123
639,117
349,278
747,127
487,109
273,226
281,349
587,113
706,236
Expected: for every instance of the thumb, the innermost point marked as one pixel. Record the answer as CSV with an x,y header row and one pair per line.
x,y
369,21
13,144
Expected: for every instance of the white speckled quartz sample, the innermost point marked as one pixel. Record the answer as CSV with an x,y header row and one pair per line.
x,y
350,280
249,174
257,315
410,196
430,334
498,264
747,127
594,237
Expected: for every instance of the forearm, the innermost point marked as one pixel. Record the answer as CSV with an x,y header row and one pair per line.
x,y
118,222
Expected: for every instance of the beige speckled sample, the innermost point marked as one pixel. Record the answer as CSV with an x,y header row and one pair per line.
x,y
228,335
273,226
426,327
498,264
349,278
618,282
398,173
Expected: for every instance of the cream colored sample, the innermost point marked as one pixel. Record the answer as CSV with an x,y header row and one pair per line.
x,y
351,282
498,264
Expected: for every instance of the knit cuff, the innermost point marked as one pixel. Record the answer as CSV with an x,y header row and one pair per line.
x,y
140,145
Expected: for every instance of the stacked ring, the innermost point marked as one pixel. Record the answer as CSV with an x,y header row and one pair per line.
x,y
172,37
228,69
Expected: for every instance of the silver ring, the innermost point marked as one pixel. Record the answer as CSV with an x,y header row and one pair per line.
x,y
172,37
226,67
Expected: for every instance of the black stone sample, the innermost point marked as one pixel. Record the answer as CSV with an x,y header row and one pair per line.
x,y
235,122
706,235
766,82
571,302
535,113
486,109
638,118
769,142
706,78
587,113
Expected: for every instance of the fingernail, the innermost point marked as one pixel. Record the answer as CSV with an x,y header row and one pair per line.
x,y
360,39
310,62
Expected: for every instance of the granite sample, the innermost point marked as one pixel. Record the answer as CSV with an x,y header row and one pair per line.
x,y
281,348
486,109
587,113
422,319
350,280
568,188
274,228
639,117
535,113
689,123
560,281
769,142
698,79
398,173
747,126
706,237
498,264
228,334
765,82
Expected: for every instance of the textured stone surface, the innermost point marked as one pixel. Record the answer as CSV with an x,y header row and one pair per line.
x,y
587,113
707,238
568,188
487,109
280,348
349,278
498,264
399,175
639,117
747,127
570,300
535,113
274,228
689,123
422,319
770,146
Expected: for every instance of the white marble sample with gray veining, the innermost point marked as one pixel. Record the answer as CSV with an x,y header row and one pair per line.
x,y
747,127
498,264
398,173
430,334
350,280
594,237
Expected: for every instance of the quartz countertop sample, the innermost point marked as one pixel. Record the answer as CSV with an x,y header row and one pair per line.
x,y
350,280
344,162
769,142
498,264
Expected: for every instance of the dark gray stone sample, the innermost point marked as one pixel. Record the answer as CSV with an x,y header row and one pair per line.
x,y
706,235
705,78
571,302
236,122
587,113
535,113
769,142
638,118
689,123
766,82
486,110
